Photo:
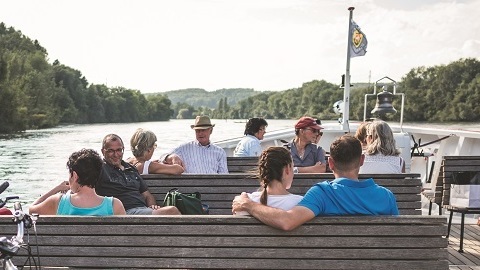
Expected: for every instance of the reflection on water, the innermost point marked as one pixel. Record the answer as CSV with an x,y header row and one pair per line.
x,y
34,161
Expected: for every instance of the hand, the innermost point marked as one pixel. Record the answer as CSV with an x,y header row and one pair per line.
x,y
63,187
154,206
239,203
174,159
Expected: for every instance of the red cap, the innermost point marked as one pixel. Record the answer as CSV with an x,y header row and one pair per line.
x,y
306,122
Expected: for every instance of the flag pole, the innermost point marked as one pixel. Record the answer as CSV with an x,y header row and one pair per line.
x,y
346,91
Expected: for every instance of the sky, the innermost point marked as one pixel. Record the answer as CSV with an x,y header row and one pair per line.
x,y
162,45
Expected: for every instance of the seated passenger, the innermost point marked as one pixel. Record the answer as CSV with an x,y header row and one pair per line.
x,y
346,195
381,154
201,156
249,146
81,199
307,156
143,144
275,172
121,180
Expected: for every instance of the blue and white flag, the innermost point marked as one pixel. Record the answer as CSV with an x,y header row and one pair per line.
x,y
358,46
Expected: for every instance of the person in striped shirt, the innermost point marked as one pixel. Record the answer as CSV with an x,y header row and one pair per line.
x,y
201,156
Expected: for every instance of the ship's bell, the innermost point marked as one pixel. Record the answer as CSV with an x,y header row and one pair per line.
x,y
384,103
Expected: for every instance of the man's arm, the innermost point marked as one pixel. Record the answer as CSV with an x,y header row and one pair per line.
x,y
149,199
222,166
317,168
278,218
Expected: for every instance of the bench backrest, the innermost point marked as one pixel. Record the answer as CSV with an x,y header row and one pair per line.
x,y
237,242
241,164
218,190
456,164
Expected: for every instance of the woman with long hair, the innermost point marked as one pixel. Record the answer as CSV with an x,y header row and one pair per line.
x,y
381,153
275,173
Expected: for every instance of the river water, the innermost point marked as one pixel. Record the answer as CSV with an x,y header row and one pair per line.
x,y
34,161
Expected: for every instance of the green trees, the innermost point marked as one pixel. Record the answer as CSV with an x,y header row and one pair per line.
x,y
36,94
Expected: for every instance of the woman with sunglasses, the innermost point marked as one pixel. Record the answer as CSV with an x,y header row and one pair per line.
x,y
307,156
143,143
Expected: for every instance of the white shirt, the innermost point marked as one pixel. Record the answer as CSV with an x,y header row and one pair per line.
x,y
248,146
199,159
381,164
285,202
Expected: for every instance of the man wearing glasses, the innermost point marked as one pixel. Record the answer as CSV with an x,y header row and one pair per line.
x,y
307,156
120,180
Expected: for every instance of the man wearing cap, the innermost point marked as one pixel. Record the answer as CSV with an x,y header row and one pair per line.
x,y
200,156
307,156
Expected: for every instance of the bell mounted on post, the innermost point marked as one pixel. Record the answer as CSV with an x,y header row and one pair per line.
x,y
384,103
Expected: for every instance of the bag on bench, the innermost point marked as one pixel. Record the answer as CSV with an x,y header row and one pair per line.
x,y
187,203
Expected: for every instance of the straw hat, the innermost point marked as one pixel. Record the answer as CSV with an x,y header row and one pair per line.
x,y
202,122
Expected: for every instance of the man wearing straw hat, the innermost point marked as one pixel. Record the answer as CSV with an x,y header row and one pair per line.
x,y
200,156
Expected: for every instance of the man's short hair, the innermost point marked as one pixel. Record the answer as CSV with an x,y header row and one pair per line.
x,y
346,152
87,164
111,137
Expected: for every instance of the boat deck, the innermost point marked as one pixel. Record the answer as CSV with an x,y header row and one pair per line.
x,y
470,258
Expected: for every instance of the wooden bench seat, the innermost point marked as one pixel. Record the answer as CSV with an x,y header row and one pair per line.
x,y
237,242
440,192
218,190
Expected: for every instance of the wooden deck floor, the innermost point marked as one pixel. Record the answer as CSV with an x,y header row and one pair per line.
x,y
470,258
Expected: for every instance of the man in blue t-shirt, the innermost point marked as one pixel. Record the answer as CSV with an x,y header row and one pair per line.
x,y
346,195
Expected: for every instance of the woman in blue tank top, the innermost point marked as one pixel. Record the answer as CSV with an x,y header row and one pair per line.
x,y
78,196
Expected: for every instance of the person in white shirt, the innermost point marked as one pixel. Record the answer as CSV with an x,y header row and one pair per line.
x,y
250,146
275,173
381,154
200,156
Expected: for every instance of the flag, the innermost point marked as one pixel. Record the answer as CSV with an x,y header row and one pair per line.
x,y
358,45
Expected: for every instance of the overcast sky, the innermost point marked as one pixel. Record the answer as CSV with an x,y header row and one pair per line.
x,y
157,45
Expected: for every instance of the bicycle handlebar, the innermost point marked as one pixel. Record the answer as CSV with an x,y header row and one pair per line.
x,y
4,186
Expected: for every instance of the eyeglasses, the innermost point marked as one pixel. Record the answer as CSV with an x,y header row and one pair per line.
x,y
114,151
315,131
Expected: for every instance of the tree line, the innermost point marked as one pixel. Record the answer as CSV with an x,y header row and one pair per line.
x,y
37,94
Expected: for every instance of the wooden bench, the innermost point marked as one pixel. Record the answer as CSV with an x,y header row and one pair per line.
x,y
241,164
440,191
452,166
218,190
237,242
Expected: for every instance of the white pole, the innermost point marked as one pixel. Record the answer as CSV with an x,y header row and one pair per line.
x,y
346,91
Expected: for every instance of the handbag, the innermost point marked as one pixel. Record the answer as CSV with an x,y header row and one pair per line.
x,y
465,190
187,203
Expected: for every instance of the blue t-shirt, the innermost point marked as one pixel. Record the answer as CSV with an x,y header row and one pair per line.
x,y
65,207
343,196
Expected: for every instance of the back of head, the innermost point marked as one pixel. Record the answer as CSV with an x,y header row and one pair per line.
x,y
87,164
253,125
270,167
361,133
346,152
382,141
141,141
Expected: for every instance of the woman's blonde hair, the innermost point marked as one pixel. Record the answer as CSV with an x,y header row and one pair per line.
x,y
141,141
382,139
